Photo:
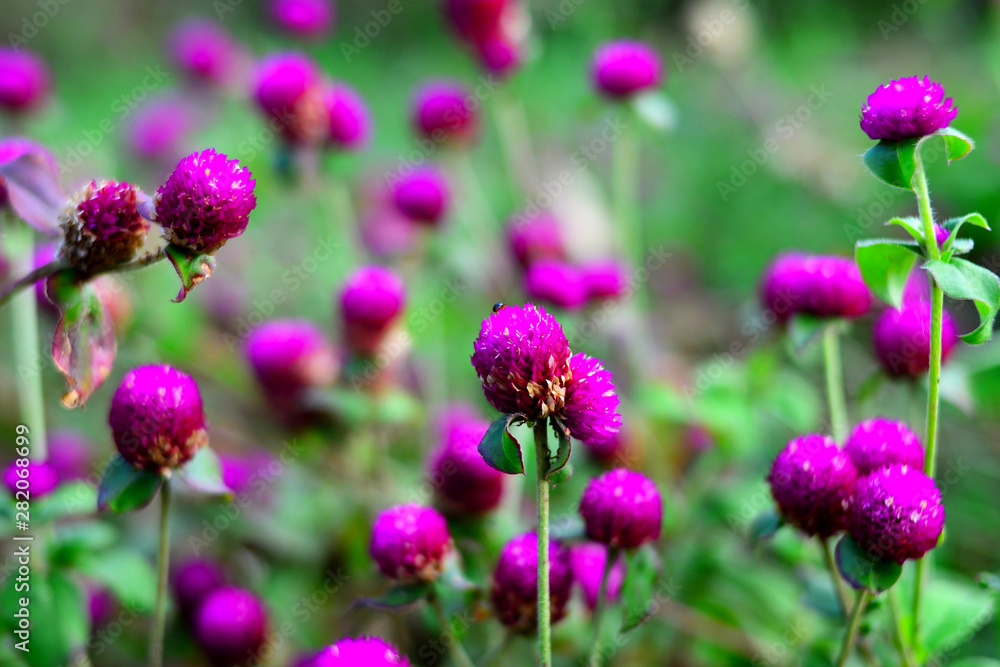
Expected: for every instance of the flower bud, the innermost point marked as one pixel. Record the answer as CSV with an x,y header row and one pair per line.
x,y
370,303
305,18
464,484
102,227
875,443
423,196
24,80
204,51
350,124
361,652
622,509
231,624
623,68
902,338
409,543
555,282
194,580
443,111
40,480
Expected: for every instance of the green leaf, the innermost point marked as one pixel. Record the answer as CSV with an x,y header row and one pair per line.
x,y
192,268
76,541
912,225
975,662
961,609
72,609
885,265
559,458
204,473
805,329
125,488
402,597
500,449
961,279
656,110
59,618
956,144
893,162
955,245
990,581
559,476
862,572
642,571
75,498
126,574
764,526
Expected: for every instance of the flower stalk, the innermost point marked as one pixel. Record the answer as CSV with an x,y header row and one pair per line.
x,y
542,491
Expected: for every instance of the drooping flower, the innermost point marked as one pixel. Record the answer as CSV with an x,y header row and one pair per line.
x,y
360,652
306,18
370,303
102,227
288,89
588,561
38,478
514,593
464,484
423,195
622,508
623,68
204,51
535,238
817,285
903,342
905,108
349,121
556,282
230,625
875,443
444,111
24,80
410,542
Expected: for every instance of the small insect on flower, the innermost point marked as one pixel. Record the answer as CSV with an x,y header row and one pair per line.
x,y
498,306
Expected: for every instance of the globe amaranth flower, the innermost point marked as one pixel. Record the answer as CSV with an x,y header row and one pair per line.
x,y
622,509
102,227
906,108
903,342
588,561
812,481
555,282
205,202
243,471
288,89
879,442
193,580
423,196
514,593
464,484
349,121
444,111
156,418
896,514
591,412
360,652
38,479
158,129
621,69
230,625
289,357
410,542
204,51
306,18
24,80
370,303
534,238
816,285
605,279
71,454
496,31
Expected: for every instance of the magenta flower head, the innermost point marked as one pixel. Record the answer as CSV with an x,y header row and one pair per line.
x,y
193,580
464,484
555,282
534,238
350,124
906,108
514,593
896,514
101,604
289,357
423,196
623,68
410,543
361,652
204,50
444,111
102,227
588,561
817,285
875,443
156,418
306,18
605,279
622,509
591,412
495,29
370,303
288,90
70,454
231,624
205,202
39,479
24,80
903,342
158,129
812,480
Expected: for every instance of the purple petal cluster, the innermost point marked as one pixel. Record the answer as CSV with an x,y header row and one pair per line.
x,y
410,542
816,285
361,652
588,561
204,51
206,201
40,479
370,303
348,118
230,625
288,89
495,30
423,195
902,338
605,279
875,443
533,238
464,484
24,80
193,580
515,583
623,68
906,108
306,18
556,282
289,357
158,129
102,227
591,412
444,111
622,509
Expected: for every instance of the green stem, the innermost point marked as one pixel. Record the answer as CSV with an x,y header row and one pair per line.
x,y
544,604
625,194
457,651
842,593
515,142
602,594
898,636
835,393
852,628
163,568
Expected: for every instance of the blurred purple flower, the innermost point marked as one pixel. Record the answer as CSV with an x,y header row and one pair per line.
x,y
24,80
423,195
555,282
306,18
588,561
370,303
514,593
445,111
204,50
622,509
410,542
350,124
621,69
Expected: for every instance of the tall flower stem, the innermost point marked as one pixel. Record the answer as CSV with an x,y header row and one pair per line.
x,y
458,653
842,593
544,604
852,628
835,394
602,595
163,568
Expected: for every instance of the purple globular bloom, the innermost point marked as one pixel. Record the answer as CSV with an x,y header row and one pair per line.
x,y
464,484
494,29
514,593
621,69
306,18
70,453
591,412
555,282
875,443
204,50
288,89
101,604
903,342
40,480
205,202
410,542
193,580
349,121
826,286
605,279
370,303
102,227
622,509
156,418
897,514
423,196
289,357
443,111
535,238
230,624
24,80
906,108
158,129
812,481
588,561
360,652
244,471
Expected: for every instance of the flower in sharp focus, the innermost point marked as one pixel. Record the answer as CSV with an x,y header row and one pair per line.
x,y
40,480
370,303
514,593
879,442
903,342
156,418
817,285
588,561
591,412
410,542
306,18
288,90
812,481
204,50
24,80
623,68
205,202
622,508
349,121
360,652
231,624
444,111
464,484
906,108
423,196
896,514
102,227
